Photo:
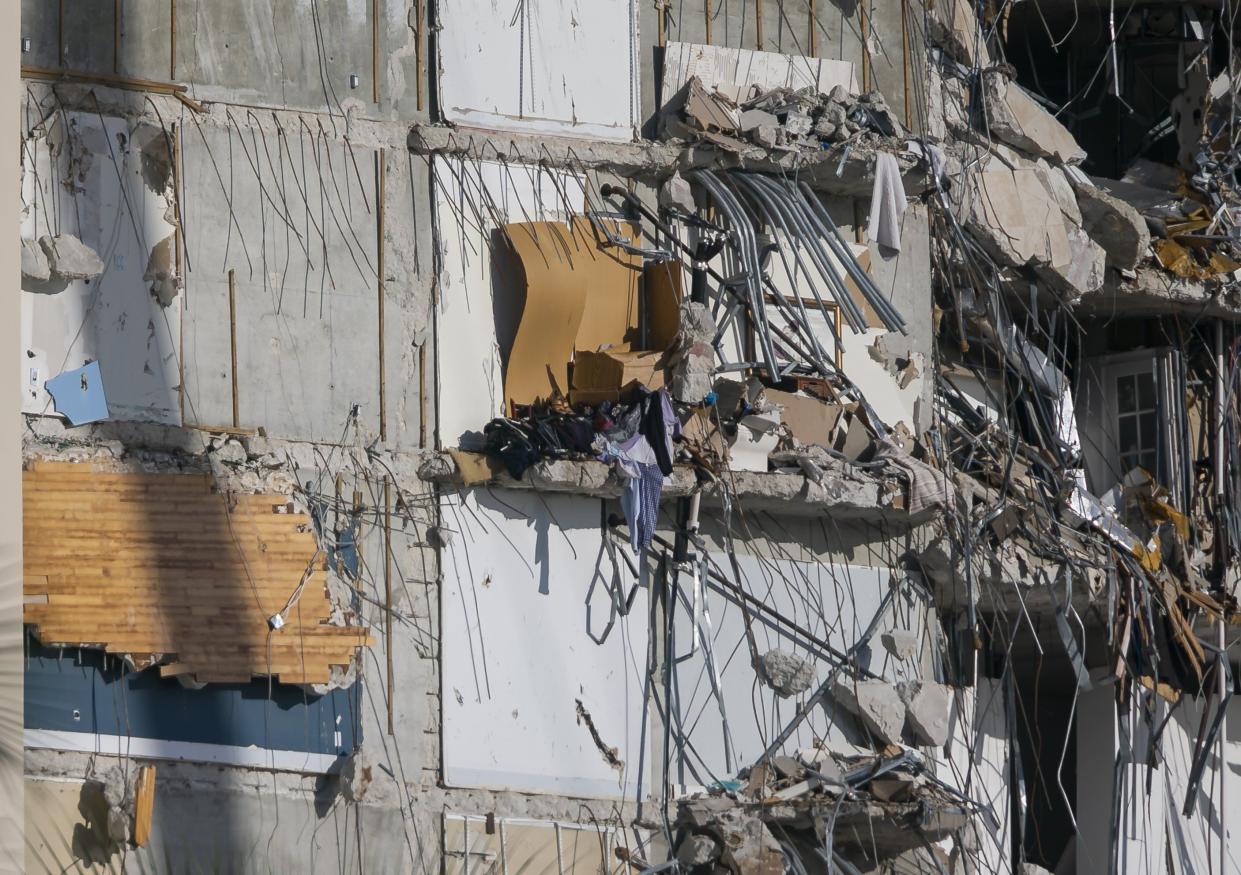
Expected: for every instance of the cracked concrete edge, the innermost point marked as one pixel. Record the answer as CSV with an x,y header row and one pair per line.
x,y
842,495
846,170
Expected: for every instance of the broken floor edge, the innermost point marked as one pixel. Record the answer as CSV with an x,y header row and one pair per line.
x,y
846,170
854,498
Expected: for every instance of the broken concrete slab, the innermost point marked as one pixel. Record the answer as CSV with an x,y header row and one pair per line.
x,y
928,707
875,703
1114,224
698,850
70,259
901,643
35,266
786,673
1017,119
952,25
1021,224
757,118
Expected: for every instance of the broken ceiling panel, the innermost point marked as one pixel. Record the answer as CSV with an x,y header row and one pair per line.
x,y
160,568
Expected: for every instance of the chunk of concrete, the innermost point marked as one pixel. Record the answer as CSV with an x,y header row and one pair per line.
x,y
875,703
928,707
748,845
35,266
1021,224
901,643
786,673
698,850
70,259
755,118
1017,119
677,193
1115,225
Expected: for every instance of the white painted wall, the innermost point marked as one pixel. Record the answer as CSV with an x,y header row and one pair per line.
x,y
471,201
834,602
101,198
975,761
525,585
565,67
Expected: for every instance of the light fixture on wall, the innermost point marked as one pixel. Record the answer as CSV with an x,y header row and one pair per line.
x,y
354,81
25,45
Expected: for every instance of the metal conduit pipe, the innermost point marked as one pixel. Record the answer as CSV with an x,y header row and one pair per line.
x,y
810,236
891,317
748,247
608,190
762,204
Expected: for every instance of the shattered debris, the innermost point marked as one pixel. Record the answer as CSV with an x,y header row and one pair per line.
x,y
70,259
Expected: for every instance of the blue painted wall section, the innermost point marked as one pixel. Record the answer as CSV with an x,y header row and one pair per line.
x,y
73,691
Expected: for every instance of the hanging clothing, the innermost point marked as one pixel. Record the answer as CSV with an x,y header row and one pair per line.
x,y
659,426
887,203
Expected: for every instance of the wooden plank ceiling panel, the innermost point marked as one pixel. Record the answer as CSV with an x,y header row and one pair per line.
x,y
160,567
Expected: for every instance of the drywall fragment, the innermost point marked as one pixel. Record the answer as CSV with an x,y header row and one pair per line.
x,y
1016,118
698,850
875,703
1114,224
357,774
901,643
161,271
693,367
676,193
786,673
928,706
116,793
79,396
71,259
35,266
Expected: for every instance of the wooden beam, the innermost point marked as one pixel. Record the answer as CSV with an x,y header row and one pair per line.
x,y
758,24
388,597
144,804
706,5
232,341
126,83
382,187
814,29
375,51
172,39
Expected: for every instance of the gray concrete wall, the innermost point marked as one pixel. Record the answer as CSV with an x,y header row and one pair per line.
x,y
288,199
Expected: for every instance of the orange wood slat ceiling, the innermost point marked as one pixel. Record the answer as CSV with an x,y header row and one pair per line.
x,y
151,564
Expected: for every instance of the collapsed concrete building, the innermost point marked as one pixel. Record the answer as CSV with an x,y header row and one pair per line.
x,y
789,436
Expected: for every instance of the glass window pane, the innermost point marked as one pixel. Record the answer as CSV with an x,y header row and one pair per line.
x,y
1148,423
1128,434
1150,462
1126,394
1128,461
1146,391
